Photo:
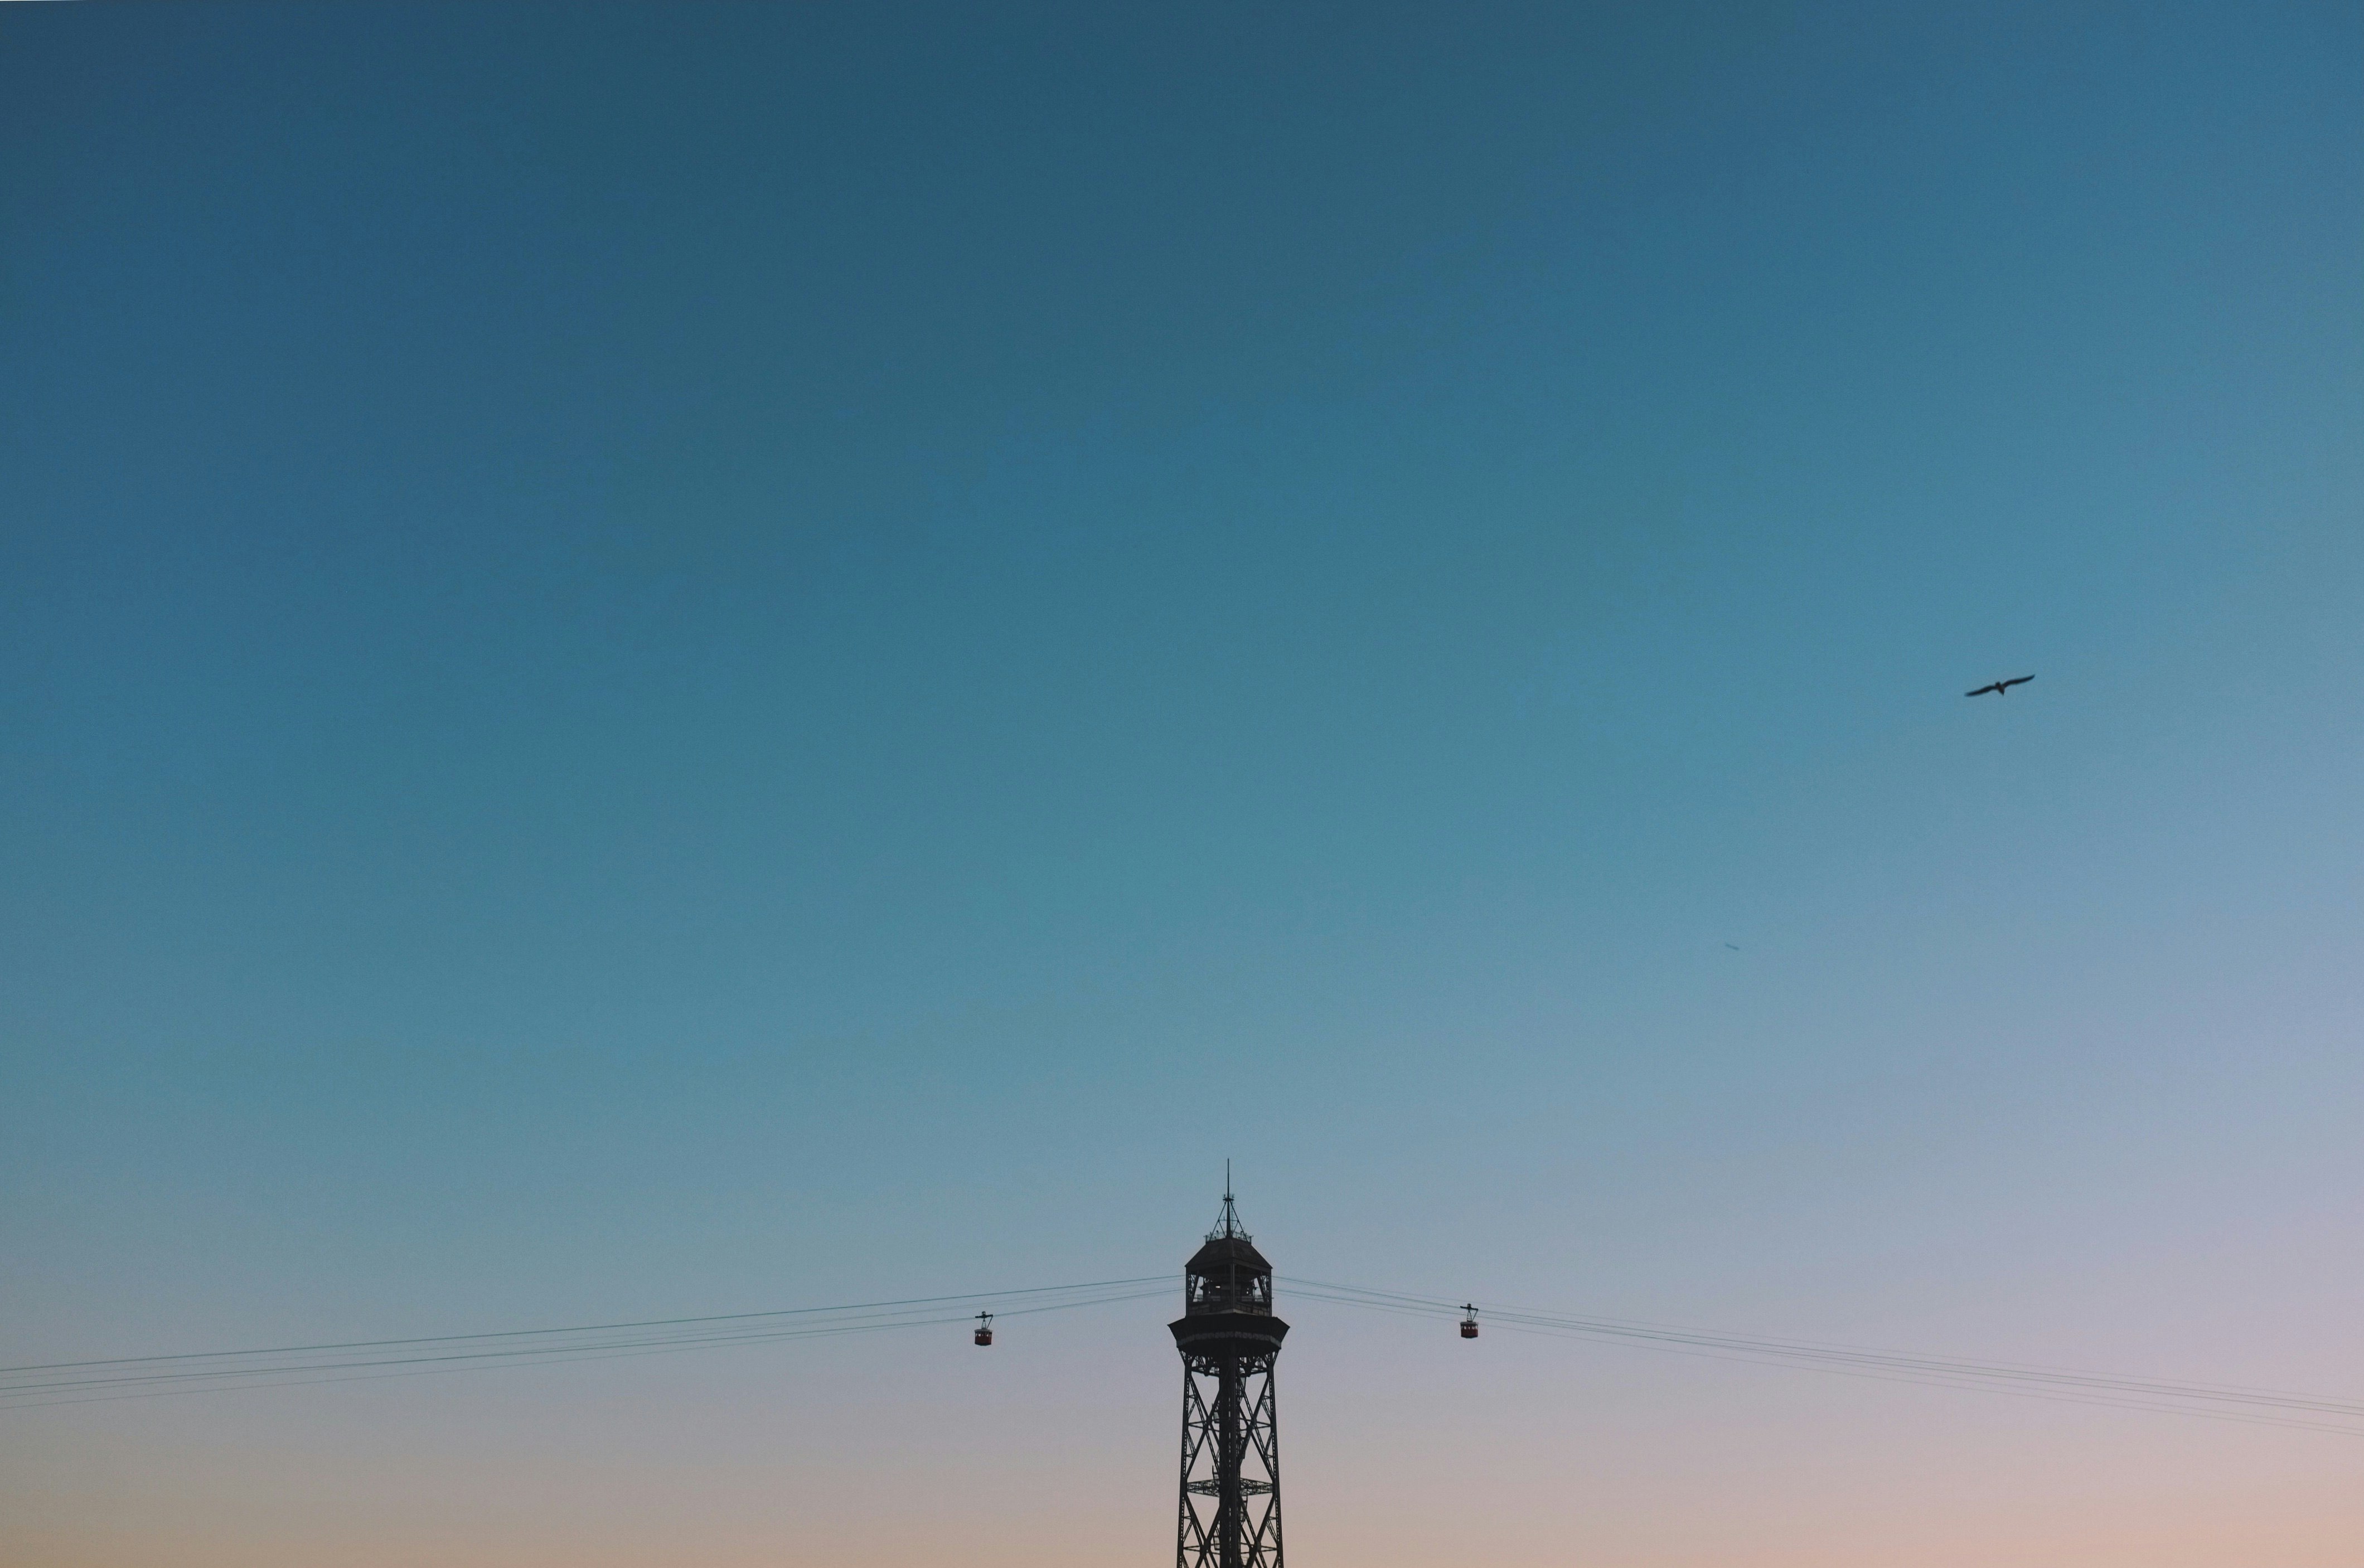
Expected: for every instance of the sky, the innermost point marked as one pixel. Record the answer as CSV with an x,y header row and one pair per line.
x,y
690,659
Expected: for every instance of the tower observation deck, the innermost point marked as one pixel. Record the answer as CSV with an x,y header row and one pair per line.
x,y
1231,1430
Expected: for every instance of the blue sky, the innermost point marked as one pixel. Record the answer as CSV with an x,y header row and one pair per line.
x,y
675,658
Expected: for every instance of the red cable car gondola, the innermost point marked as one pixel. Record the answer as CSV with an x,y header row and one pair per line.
x,y
1469,1322
984,1327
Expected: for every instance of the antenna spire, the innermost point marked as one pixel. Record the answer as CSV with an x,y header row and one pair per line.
x,y
1229,1225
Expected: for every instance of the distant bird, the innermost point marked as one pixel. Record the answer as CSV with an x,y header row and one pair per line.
x,y
2000,688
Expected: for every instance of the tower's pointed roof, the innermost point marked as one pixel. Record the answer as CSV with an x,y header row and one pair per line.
x,y
1223,1253
1229,1246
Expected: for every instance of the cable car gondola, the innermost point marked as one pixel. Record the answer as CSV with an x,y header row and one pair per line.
x,y
1468,1322
984,1327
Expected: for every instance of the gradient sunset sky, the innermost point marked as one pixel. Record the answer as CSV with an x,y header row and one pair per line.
x,y
681,658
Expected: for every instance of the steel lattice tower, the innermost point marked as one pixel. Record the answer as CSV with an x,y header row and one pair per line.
x,y
1230,1432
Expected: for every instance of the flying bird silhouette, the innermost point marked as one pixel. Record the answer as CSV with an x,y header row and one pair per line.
x,y
2000,688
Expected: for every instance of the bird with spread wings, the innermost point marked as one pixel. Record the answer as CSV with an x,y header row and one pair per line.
x,y
2000,688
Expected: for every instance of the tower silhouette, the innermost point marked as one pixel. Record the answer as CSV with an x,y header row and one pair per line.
x,y
1230,1431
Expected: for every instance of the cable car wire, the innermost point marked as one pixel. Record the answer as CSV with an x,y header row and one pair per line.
x,y
2271,1406
40,1385
22,1387
1807,1349
594,1328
